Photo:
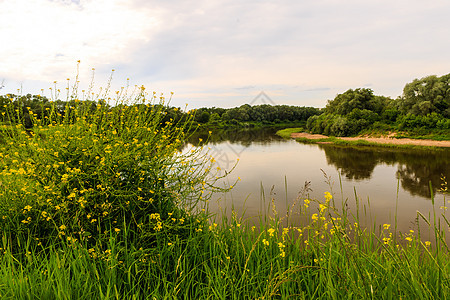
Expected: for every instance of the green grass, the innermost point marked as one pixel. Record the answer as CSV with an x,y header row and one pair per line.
x,y
286,133
325,256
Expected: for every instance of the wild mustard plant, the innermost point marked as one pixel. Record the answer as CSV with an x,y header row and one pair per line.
x,y
98,165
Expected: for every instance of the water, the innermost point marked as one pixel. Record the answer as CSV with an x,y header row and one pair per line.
x,y
388,182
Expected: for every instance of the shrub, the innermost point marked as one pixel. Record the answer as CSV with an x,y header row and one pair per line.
x,y
443,124
432,120
89,171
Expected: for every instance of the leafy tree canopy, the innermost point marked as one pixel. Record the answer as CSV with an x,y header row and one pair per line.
x,y
361,98
426,95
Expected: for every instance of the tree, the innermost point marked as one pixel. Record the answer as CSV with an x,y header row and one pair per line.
x,y
204,117
426,95
361,98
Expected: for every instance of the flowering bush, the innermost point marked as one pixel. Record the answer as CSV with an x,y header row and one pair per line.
x,y
92,169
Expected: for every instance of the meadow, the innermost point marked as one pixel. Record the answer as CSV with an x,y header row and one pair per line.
x,y
97,201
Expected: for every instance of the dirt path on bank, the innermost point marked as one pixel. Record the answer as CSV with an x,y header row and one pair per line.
x,y
379,140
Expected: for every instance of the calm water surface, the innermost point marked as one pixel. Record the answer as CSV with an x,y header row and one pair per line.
x,y
385,180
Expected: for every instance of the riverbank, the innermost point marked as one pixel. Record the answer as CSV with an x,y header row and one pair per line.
x,y
384,140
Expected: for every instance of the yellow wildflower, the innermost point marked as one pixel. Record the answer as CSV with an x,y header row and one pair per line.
x,y
322,207
158,226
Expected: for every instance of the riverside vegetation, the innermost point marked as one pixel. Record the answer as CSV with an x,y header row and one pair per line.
x,y
423,111
98,201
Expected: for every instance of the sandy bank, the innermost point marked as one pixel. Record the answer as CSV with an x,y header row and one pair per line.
x,y
379,140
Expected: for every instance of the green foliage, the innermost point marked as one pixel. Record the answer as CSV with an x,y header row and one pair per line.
x,y
83,173
333,125
204,117
426,95
326,253
263,114
362,99
411,121
390,115
23,105
350,113
425,105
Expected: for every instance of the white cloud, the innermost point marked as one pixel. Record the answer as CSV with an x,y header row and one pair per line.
x,y
44,39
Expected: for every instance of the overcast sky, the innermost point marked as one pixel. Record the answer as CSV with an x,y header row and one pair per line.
x,y
223,53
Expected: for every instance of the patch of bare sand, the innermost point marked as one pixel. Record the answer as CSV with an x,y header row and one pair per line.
x,y
380,140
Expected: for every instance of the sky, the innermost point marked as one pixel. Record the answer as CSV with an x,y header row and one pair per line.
x,y
224,53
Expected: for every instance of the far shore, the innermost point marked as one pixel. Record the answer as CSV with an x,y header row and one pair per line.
x,y
379,140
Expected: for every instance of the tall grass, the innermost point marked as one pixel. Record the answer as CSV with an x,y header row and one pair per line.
x,y
328,256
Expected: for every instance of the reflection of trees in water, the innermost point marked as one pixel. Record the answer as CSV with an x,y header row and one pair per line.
x,y
417,185
416,168
243,137
416,175
353,164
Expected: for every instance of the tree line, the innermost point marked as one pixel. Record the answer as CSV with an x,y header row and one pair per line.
x,y
242,116
424,104
246,114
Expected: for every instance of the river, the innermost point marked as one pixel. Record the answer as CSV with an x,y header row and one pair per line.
x,y
391,185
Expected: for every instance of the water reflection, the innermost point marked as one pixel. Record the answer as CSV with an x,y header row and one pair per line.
x,y
354,164
415,168
226,146
244,137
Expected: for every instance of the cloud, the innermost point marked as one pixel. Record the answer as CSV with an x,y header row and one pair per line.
x,y
318,89
247,87
96,32
253,41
